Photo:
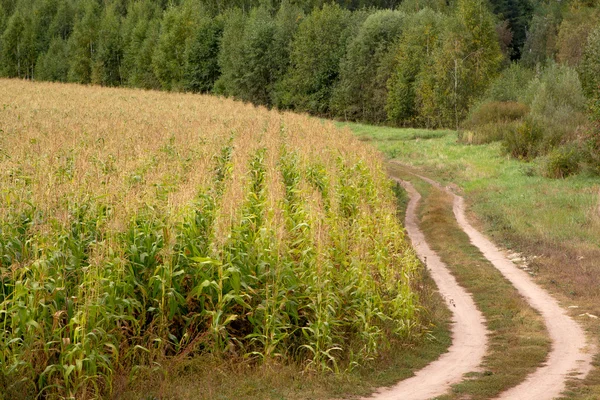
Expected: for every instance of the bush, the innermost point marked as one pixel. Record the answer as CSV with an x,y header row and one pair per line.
x,y
487,133
497,111
510,85
523,141
590,139
557,87
489,121
561,162
557,104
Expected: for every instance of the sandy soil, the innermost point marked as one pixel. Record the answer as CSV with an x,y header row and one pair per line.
x,y
469,334
571,355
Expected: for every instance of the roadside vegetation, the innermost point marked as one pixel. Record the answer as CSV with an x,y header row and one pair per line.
x,y
141,230
518,340
553,225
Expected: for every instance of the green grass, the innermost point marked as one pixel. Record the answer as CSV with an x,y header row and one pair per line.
x,y
505,191
554,223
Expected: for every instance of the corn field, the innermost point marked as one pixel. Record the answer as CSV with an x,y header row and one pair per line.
x,y
138,227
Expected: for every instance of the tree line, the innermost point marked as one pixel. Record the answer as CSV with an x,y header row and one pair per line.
x,y
405,63
414,63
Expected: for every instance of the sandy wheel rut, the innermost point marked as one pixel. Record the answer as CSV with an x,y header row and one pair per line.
x,y
469,334
571,354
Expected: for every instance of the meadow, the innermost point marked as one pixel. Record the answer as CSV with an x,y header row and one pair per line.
x,y
139,229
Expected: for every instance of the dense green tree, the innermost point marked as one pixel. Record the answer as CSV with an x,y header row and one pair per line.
x,y
62,23
540,45
140,32
573,32
202,66
287,19
230,59
53,65
589,68
518,14
83,42
317,49
466,61
42,15
176,34
254,80
17,46
361,92
414,51
259,58
414,6
106,69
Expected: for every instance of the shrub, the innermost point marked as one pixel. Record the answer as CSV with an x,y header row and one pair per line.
x,y
489,121
557,104
487,133
556,88
590,140
523,140
562,161
497,111
510,85
591,152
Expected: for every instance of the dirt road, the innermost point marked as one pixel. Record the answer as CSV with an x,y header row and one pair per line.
x,y
469,334
570,357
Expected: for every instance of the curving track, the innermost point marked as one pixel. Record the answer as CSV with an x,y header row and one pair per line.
x,y
571,354
469,334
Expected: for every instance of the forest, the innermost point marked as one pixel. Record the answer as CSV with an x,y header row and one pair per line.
x,y
521,71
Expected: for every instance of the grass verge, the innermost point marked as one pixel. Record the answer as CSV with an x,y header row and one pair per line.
x,y
217,379
518,339
553,223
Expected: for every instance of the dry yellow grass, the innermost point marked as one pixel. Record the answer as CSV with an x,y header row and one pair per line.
x,y
137,148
